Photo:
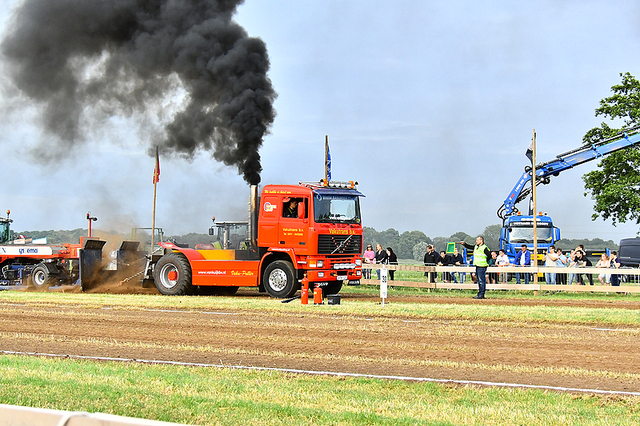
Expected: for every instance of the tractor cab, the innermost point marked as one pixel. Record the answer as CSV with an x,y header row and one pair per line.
x,y
230,235
5,228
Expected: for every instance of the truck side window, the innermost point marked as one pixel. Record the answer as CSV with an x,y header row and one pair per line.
x,y
290,207
294,207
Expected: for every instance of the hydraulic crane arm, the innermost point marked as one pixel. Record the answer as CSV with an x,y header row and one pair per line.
x,y
565,161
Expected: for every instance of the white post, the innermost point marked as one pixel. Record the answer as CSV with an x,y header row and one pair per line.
x,y
383,284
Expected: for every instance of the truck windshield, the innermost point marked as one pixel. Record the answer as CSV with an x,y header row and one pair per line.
x,y
336,208
525,235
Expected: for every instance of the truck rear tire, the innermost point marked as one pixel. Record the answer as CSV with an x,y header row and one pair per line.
x,y
279,279
172,275
41,278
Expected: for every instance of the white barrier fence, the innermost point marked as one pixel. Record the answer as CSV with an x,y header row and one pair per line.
x,y
13,415
464,274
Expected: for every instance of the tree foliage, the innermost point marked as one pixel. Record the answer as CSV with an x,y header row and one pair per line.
x,y
491,237
419,251
408,245
615,184
595,244
402,244
56,237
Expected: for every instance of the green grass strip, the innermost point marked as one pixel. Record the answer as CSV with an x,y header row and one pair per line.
x,y
208,396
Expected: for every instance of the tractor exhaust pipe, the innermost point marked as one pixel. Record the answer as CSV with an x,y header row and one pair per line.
x,y
253,215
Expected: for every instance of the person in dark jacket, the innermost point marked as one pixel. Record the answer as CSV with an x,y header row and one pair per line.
x,y
582,260
393,260
381,257
523,258
431,258
456,260
615,263
445,260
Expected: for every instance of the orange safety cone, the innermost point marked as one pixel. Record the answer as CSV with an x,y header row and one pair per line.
x,y
304,295
317,295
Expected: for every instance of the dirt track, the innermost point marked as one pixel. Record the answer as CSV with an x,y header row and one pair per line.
x,y
575,356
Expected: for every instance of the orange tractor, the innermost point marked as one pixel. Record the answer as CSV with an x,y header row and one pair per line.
x,y
293,231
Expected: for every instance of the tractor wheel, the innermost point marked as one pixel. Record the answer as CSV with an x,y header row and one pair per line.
x,y
41,278
279,279
172,275
333,287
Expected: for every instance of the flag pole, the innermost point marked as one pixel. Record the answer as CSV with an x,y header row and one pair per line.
x,y
153,221
326,159
535,207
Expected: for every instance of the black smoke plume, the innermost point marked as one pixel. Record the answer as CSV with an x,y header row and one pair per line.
x,y
124,56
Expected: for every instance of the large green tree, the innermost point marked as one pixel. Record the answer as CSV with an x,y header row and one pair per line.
x,y
615,184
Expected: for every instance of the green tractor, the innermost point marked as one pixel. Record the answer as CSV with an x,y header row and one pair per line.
x,y
5,229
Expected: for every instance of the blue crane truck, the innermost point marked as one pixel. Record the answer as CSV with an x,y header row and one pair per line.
x,y
517,229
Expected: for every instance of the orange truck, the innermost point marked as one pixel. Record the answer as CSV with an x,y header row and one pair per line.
x,y
309,229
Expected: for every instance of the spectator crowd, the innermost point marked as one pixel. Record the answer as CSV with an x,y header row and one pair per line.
x,y
552,257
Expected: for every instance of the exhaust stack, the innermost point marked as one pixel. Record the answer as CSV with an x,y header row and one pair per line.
x,y
253,215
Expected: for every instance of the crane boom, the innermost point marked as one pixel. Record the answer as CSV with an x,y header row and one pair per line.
x,y
565,161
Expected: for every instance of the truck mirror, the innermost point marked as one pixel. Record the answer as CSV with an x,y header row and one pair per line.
x,y
211,231
301,210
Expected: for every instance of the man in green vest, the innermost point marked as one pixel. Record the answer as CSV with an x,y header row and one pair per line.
x,y
481,255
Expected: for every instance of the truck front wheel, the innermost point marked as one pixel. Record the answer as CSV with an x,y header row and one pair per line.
x,y
172,275
279,279
41,277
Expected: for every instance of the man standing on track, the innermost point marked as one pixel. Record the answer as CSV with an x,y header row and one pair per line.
x,y
481,254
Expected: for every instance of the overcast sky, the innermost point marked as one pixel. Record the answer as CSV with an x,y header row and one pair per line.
x,y
429,105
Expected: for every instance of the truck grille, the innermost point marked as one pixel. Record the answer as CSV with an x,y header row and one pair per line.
x,y
327,244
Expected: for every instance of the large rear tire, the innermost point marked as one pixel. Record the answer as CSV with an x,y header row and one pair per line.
x,y
41,278
172,275
279,279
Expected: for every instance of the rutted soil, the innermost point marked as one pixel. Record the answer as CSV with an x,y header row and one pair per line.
x,y
584,356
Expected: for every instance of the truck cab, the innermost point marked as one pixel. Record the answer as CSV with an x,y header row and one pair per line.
x,y
518,230
318,227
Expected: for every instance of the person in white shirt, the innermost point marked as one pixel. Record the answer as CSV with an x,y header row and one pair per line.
x,y
502,260
550,259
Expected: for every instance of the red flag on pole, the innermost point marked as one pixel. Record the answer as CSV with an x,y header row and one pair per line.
x,y
156,171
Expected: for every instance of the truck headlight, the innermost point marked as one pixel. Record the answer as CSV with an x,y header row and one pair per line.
x,y
320,263
358,262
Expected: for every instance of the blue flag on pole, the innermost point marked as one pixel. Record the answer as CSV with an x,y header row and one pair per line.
x,y
529,152
327,164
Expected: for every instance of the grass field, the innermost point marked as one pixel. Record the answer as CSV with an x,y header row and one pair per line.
x,y
219,396
206,396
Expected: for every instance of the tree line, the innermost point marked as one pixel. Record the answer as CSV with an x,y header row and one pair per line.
x,y
413,244
407,245
73,236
